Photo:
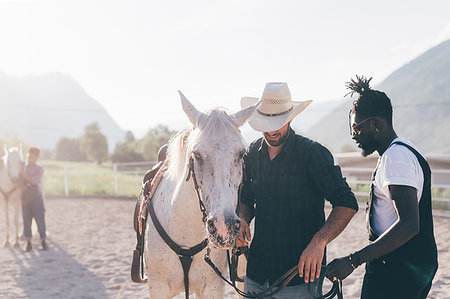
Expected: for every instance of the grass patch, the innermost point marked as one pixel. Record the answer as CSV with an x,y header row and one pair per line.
x,y
91,179
84,179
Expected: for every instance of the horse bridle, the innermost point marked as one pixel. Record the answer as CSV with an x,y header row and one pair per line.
x,y
191,172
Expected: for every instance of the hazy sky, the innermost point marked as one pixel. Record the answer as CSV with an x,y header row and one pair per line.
x,y
133,56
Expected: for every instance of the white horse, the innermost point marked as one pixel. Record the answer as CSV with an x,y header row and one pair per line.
x,y
10,187
215,147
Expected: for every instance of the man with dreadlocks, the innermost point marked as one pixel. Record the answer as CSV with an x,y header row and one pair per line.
x,y
401,259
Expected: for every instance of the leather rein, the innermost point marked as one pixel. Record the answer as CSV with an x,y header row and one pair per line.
x,y
279,284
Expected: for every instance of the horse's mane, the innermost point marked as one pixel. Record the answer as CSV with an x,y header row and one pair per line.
x,y
5,156
175,154
216,124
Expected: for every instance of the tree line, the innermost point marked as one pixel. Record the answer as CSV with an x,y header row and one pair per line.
x,y
93,146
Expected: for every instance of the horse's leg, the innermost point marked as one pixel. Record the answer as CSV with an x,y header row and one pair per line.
x,y
158,289
7,223
214,290
16,222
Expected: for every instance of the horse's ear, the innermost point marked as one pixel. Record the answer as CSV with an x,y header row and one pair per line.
x,y
195,116
5,148
240,117
20,148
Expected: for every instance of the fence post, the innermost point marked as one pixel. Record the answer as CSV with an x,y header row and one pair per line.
x,y
116,187
66,182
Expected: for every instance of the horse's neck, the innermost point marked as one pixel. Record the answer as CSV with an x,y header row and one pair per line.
x,y
186,223
5,181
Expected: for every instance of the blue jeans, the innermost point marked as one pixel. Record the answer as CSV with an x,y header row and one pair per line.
x,y
33,207
300,291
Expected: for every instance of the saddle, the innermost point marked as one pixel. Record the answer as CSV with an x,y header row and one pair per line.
x,y
139,224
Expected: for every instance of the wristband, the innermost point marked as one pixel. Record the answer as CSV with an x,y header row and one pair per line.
x,y
355,260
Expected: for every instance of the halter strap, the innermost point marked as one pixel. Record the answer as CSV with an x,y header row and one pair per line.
x,y
185,254
191,172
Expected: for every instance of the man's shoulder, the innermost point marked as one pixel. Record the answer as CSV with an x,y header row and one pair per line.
x,y
398,146
399,154
303,144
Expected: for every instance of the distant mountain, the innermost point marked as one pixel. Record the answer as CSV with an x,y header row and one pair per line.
x,y
41,109
420,95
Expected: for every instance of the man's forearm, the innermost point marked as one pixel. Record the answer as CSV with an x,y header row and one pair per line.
x,y
392,239
335,224
27,178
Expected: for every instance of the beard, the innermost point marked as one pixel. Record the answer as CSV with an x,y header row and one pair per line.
x,y
369,146
276,139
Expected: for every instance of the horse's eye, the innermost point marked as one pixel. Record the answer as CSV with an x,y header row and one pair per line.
x,y
197,156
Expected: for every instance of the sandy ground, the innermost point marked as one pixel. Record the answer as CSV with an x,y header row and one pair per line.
x,y
91,243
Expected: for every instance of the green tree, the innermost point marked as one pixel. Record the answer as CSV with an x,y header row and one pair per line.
x,y
93,144
126,152
129,137
156,137
68,149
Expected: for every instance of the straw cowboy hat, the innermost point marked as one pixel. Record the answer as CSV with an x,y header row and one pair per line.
x,y
276,107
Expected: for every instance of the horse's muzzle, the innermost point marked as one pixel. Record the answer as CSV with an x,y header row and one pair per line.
x,y
223,233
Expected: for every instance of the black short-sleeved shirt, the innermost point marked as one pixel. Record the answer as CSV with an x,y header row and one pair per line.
x,y
287,196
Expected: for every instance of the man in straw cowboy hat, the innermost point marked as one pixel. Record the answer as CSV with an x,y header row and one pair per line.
x,y
287,179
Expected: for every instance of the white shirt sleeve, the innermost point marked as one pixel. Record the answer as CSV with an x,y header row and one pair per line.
x,y
400,167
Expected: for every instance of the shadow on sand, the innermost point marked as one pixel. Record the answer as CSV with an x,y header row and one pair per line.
x,y
55,273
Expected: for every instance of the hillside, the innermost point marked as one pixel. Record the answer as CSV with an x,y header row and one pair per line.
x,y
41,109
420,95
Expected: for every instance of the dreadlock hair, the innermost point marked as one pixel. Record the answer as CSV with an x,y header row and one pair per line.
x,y
370,102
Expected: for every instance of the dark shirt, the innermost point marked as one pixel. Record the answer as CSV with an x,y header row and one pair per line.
x,y
286,197
35,172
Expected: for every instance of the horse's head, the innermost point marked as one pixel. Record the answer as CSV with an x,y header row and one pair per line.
x,y
13,162
214,150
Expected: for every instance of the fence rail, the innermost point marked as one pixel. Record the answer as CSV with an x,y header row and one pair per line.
x,y
125,179
359,180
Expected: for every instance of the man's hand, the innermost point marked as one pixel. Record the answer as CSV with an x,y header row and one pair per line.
x,y
310,262
244,236
340,269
